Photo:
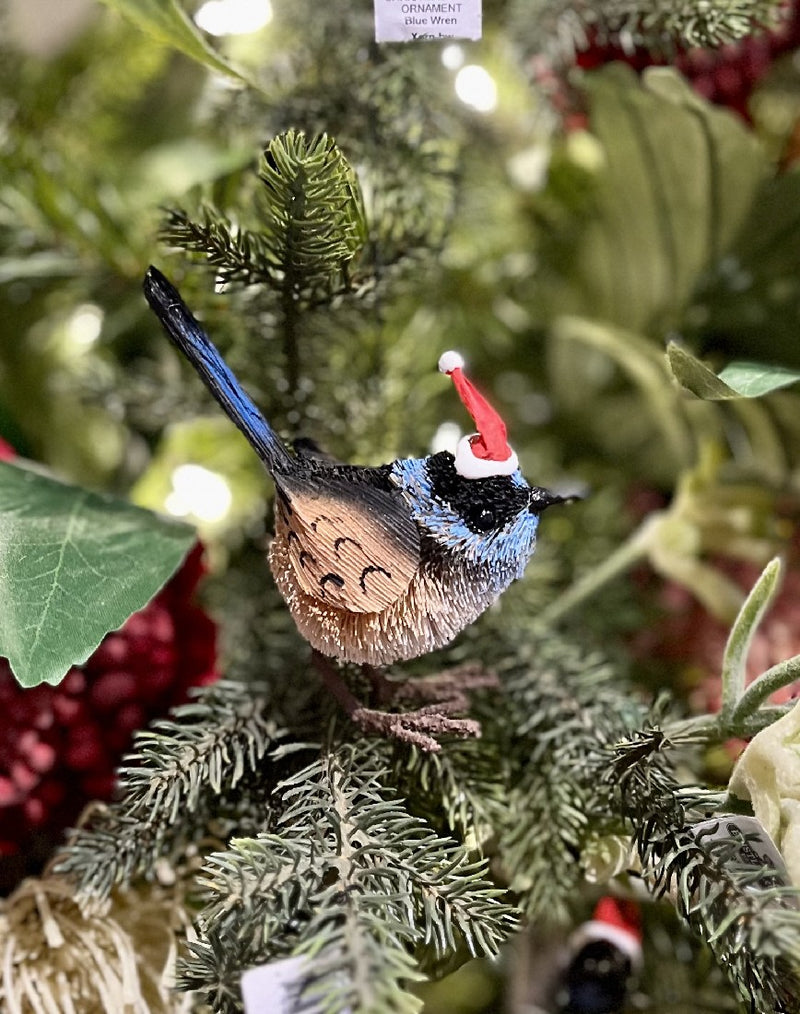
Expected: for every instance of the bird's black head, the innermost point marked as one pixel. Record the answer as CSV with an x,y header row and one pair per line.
x,y
491,521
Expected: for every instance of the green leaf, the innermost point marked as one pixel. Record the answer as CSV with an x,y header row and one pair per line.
x,y
739,379
677,183
167,23
751,380
750,305
695,376
73,565
741,636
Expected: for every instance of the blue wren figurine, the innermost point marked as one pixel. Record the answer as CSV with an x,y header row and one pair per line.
x,y
381,564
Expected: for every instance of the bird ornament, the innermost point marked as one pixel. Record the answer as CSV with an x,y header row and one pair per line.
x,y
381,564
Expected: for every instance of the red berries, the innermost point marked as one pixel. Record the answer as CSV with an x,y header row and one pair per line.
x,y
59,746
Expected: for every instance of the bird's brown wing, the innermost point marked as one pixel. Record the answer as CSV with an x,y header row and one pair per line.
x,y
353,546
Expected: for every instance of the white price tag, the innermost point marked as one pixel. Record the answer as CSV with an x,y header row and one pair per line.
x,y
410,20
275,988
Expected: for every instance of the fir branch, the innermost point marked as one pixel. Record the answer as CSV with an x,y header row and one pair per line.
x,y
349,878
753,931
565,708
458,790
660,25
171,786
238,254
312,226
315,222
713,23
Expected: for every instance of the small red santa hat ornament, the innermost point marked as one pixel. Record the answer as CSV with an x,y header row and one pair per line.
x,y
485,453
617,921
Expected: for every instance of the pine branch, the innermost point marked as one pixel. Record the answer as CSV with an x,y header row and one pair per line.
x,y
565,707
561,26
316,223
238,254
171,787
457,790
349,878
753,931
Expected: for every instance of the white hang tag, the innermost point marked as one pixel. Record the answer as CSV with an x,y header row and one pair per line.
x,y
415,20
754,848
275,989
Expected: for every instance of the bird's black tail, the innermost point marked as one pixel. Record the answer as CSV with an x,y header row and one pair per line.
x,y
186,333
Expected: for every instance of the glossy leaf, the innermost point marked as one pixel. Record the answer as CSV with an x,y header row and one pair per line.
x,y
751,380
643,363
73,566
167,23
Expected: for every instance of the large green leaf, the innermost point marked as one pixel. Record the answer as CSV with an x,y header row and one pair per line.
x,y
73,565
750,306
167,22
678,181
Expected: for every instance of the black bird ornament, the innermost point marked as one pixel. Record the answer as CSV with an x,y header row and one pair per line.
x,y
381,564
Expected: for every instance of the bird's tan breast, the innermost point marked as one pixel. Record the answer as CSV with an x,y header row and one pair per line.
x,y
435,606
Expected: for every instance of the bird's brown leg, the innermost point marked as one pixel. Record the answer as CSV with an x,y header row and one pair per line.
x,y
422,726
454,683
449,684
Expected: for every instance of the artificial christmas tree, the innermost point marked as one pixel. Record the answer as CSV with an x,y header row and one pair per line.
x,y
401,207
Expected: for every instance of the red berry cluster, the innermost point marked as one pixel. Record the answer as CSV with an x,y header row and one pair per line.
x,y
59,746
726,76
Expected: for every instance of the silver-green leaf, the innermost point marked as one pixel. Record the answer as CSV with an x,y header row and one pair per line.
x,y
738,379
696,377
751,380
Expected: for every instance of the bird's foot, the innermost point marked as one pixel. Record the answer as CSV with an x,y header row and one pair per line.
x,y
450,685
420,728
445,694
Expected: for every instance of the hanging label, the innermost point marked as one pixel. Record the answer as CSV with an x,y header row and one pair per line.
x,y
275,989
411,20
752,846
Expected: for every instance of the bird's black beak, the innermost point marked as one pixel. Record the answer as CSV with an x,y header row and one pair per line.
x,y
541,498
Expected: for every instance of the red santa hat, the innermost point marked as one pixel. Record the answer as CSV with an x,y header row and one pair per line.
x,y
617,921
485,453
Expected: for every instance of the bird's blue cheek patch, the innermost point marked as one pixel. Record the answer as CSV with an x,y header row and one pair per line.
x,y
505,550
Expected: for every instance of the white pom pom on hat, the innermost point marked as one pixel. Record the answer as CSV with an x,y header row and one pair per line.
x,y
449,361
486,453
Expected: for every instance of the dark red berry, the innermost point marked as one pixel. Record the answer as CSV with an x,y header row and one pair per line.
x,y
59,746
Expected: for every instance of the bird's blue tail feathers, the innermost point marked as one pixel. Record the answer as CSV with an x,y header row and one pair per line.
x,y
188,335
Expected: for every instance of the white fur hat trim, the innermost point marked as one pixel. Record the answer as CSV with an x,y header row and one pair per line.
x,y
623,940
470,466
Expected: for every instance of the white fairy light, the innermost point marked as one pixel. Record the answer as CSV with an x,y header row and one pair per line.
x,y
84,326
446,437
453,56
200,492
233,17
476,87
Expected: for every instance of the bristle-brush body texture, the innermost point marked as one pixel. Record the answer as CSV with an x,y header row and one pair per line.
x,y
379,564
